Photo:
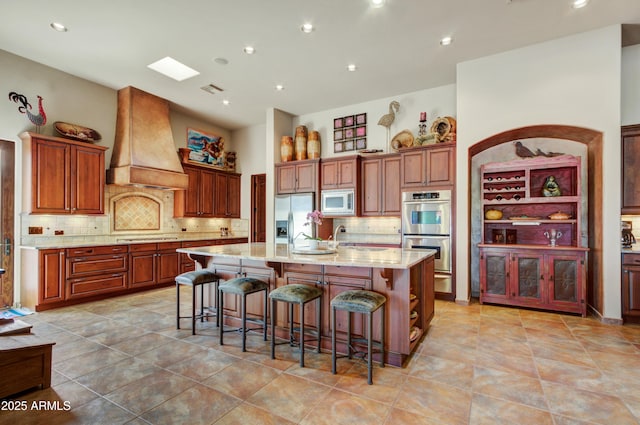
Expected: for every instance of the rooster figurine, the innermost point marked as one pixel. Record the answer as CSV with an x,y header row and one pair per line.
x,y
37,120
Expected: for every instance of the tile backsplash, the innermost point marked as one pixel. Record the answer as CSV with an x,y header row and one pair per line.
x,y
103,228
383,230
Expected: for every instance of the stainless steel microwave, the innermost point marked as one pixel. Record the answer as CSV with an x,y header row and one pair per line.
x,y
338,202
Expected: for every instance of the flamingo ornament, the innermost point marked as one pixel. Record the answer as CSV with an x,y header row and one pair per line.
x,y
387,119
25,108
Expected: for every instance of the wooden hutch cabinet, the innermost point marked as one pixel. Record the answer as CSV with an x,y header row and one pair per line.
x,y
381,186
520,261
67,177
429,165
297,176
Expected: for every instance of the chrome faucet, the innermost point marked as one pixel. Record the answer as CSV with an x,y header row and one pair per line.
x,y
335,233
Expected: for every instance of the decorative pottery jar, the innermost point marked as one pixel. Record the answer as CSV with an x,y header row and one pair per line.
x,y
301,142
313,145
493,214
286,149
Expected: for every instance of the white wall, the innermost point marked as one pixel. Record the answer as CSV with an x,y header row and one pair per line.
x,y
250,146
573,81
631,85
436,102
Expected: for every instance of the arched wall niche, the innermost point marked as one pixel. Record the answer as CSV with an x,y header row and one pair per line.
x,y
593,142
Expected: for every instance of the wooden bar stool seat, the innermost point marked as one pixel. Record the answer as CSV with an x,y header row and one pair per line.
x,y
364,302
194,279
243,286
296,293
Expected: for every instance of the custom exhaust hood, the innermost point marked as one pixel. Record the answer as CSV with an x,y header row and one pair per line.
x,y
144,153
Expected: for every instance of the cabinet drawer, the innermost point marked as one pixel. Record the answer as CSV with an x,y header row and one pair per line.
x,y
143,247
348,271
97,250
169,246
191,244
308,278
631,259
354,282
303,268
95,285
96,264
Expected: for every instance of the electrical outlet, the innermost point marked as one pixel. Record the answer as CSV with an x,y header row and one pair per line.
x,y
343,230
58,232
35,230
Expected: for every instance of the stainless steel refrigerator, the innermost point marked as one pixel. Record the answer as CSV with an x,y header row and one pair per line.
x,y
291,215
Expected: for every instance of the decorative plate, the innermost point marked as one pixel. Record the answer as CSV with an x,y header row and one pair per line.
x,y
76,132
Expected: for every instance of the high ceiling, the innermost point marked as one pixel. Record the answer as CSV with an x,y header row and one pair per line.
x,y
396,48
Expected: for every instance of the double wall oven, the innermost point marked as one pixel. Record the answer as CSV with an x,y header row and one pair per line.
x,y
426,224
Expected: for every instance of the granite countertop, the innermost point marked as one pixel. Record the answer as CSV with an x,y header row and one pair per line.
x,y
357,256
78,242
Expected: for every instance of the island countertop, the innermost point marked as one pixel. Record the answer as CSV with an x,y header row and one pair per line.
x,y
355,256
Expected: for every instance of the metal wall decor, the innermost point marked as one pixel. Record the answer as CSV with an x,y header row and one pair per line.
x,y
350,133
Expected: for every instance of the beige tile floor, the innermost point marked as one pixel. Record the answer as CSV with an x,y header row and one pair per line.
x,y
122,361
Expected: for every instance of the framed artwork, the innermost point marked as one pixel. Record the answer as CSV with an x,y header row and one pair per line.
x,y
350,132
349,121
206,148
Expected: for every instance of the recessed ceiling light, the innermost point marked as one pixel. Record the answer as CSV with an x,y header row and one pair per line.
x,y
306,28
221,61
225,102
58,27
577,4
279,87
249,50
173,69
351,67
377,3
445,41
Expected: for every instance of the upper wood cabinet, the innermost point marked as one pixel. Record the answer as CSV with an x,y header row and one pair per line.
x,y
381,186
631,169
67,177
431,165
227,199
297,176
342,173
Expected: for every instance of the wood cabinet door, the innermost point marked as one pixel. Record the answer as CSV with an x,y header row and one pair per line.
x,y
372,187
233,196
631,293
51,169
440,166
192,193
221,195
566,282
631,169
527,282
142,269
52,275
328,174
207,193
391,198
87,180
413,169
306,177
168,266
494,275
285,178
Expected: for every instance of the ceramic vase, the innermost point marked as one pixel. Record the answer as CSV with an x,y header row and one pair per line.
x,y
286,149
313,145
301,142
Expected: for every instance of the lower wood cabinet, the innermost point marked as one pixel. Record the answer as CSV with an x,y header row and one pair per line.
x,y
52,276
93,271
631,288
549,279
153,264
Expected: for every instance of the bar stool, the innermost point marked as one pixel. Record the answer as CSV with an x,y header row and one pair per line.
x,y
296,293
365,302
242,286
194,279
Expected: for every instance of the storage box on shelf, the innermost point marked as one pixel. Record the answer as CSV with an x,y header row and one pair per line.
x,y
530,250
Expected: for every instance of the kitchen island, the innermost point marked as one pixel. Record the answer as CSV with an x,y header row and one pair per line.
x,y
405,277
